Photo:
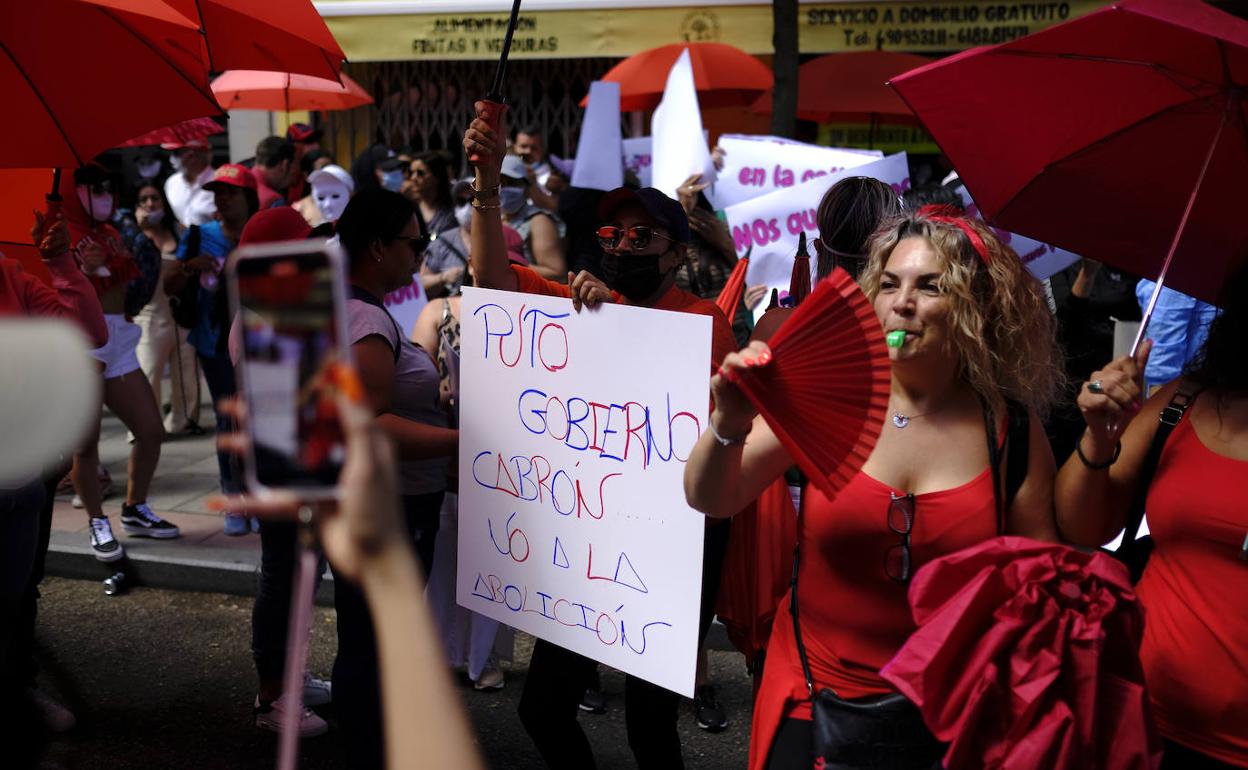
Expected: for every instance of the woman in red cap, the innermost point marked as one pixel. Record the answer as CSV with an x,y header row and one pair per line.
x,y
202,254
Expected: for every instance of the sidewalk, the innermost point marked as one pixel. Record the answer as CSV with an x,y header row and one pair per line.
x,y
202,559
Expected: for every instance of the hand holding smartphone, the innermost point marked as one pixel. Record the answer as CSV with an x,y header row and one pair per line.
x,y
289,303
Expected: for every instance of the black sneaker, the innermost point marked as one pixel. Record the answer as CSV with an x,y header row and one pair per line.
x,y
103,543
594,701
711,716
139,521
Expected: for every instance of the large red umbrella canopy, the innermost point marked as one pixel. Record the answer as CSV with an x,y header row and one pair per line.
x,y
850,88
1096,135
278,35
723,75
64,68
257,90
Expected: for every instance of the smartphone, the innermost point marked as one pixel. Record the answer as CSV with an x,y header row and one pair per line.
x,y
288,302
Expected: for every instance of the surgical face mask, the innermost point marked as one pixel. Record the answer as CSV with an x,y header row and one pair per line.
x,y
99,206
331,200
392,180
153,217
175,161
149,170
463,215
636,276
511,199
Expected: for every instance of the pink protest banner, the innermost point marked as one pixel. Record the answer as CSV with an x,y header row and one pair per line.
x,y
573,524
758,165
768,226
1041,259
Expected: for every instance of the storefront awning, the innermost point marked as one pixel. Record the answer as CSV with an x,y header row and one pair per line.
x,y
395,30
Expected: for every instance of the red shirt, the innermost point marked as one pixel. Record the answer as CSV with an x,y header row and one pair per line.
x,y
1195,649
71,296
674,299
854,617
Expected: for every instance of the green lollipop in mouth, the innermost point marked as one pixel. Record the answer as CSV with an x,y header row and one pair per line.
x,y
896,338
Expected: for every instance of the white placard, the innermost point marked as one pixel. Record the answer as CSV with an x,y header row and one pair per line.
x,y
1041,259
601,143
679,143
768,226
573,524
405,305
757,165
638,159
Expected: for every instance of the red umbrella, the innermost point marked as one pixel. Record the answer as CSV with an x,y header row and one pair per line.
x,y
178,133
281,35
1027,655
258,90
1120,135
62,67
850,88
724,76
21,192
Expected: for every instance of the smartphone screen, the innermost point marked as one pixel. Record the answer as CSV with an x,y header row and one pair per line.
x,y
289,336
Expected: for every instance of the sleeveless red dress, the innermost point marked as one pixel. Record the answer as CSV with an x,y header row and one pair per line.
x,y
854,617
1195,649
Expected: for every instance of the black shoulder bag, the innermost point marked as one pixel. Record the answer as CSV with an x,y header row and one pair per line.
x,y
888,733
185,304
1134,551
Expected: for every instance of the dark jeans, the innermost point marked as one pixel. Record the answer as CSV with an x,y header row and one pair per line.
x,y
270,615
557,679
356,687
20,729
219,374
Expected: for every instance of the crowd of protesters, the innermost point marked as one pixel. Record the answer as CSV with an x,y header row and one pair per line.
x,y
989,352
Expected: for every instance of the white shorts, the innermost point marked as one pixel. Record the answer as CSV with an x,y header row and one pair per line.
x,y
118,354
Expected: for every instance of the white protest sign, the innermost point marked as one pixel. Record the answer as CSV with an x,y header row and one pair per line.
x,y
757,165
1041,259
638,159
600,147
679,144
768,226
573,524
406,303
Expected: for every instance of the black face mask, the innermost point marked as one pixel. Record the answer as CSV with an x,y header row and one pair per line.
x,y
636,276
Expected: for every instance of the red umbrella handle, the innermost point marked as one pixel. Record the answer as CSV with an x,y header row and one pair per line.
x,y
52,203
493,114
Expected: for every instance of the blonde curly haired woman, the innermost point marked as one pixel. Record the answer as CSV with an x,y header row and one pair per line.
x,y
978,363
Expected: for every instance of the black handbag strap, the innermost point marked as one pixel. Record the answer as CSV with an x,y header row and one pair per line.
x,y
1168,418
1016,449
1017,435
193,238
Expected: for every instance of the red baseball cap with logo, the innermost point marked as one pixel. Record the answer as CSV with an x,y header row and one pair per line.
x,y
232,174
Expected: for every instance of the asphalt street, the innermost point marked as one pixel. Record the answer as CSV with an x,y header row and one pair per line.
x,y
164,679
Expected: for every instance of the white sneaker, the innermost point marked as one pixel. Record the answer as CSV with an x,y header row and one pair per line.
x,y
272,716
316,692
103,543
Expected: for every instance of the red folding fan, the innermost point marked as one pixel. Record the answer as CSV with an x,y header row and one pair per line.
x,y
825,392
729,298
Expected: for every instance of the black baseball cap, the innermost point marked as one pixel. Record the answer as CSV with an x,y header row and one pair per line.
x,y
663,210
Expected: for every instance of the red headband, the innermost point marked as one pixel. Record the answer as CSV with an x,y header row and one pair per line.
x,y
948,215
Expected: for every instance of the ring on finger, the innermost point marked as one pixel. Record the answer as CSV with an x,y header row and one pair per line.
x,y
1095,386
